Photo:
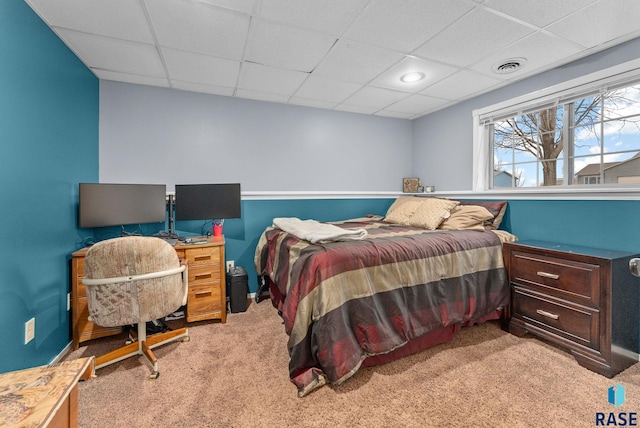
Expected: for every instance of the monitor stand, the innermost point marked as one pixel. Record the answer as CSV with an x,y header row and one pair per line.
x,y
172,203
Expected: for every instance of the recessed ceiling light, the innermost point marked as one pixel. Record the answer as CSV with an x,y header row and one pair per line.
x,y
412,77
507,66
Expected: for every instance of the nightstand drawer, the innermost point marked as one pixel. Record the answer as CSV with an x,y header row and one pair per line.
x,y
567,279
576,323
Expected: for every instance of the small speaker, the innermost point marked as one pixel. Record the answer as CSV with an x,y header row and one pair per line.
x,y
237,289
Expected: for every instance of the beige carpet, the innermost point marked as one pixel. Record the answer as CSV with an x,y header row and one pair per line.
x,y
236,375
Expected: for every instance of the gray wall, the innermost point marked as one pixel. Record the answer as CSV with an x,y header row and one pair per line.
x,y
443,141
158,135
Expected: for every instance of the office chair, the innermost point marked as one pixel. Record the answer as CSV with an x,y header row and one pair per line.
x,y
133,280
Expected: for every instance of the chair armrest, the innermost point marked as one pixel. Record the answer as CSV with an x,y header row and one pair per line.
x,y
152,275
185,281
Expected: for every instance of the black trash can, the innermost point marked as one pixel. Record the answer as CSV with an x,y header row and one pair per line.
x,y
237,289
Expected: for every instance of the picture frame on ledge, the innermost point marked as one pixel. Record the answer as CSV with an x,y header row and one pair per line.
x,y
410,185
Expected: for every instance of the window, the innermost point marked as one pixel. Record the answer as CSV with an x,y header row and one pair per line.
x,y
582,133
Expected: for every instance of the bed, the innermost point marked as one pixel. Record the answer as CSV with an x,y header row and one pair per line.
x,y
382,287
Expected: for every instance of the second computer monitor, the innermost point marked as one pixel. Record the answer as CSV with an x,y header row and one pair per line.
x,y
207,201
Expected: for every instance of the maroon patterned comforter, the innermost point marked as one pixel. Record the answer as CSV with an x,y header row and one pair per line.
x,y
345,301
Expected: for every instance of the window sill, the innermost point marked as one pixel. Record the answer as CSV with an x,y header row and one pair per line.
x,y
560,193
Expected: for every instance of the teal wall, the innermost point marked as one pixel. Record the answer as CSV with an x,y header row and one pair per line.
x,y
48,143
611,224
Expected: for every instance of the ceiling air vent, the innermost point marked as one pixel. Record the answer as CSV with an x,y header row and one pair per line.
x,y
509,65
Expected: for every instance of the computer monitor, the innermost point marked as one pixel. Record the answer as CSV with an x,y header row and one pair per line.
x,y
106,204
207,201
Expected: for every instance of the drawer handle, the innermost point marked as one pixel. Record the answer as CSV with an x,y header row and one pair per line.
x,y
548,275
202,276
199,293
548,314
200,258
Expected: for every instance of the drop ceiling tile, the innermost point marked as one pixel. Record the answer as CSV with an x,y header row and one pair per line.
x,y
328,90
461,85
374,98
477,34
115,55
356,62
123,19
405,26
262,96
130,78
197,68
539,12
432,70
262,78
535,49
200,88
287,47
311,103
244,6
356,109
199,27
417,104
600,23
327,16
395,114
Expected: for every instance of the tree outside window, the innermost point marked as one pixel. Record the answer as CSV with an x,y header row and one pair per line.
x,y
590,141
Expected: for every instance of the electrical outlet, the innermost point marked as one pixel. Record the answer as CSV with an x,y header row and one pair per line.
x,y
230,264
29,330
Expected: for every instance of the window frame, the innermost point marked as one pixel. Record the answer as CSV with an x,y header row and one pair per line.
x,y
628,72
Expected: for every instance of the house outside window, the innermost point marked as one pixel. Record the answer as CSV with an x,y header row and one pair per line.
x,y
582,133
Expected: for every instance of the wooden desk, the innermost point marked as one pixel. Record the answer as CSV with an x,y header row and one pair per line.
x,y
45,396
207,289
207,297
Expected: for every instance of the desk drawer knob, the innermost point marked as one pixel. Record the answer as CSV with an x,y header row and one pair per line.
x,y
548,275
547,314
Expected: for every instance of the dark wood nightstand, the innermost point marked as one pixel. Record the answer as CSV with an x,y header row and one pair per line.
x,y
584,299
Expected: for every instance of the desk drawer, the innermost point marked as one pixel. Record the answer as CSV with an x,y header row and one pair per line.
x,y
79,266
576,323
195,256
205,301
567,279
201,273
86,330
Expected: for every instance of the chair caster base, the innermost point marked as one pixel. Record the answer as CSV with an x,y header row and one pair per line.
x,y
154,375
